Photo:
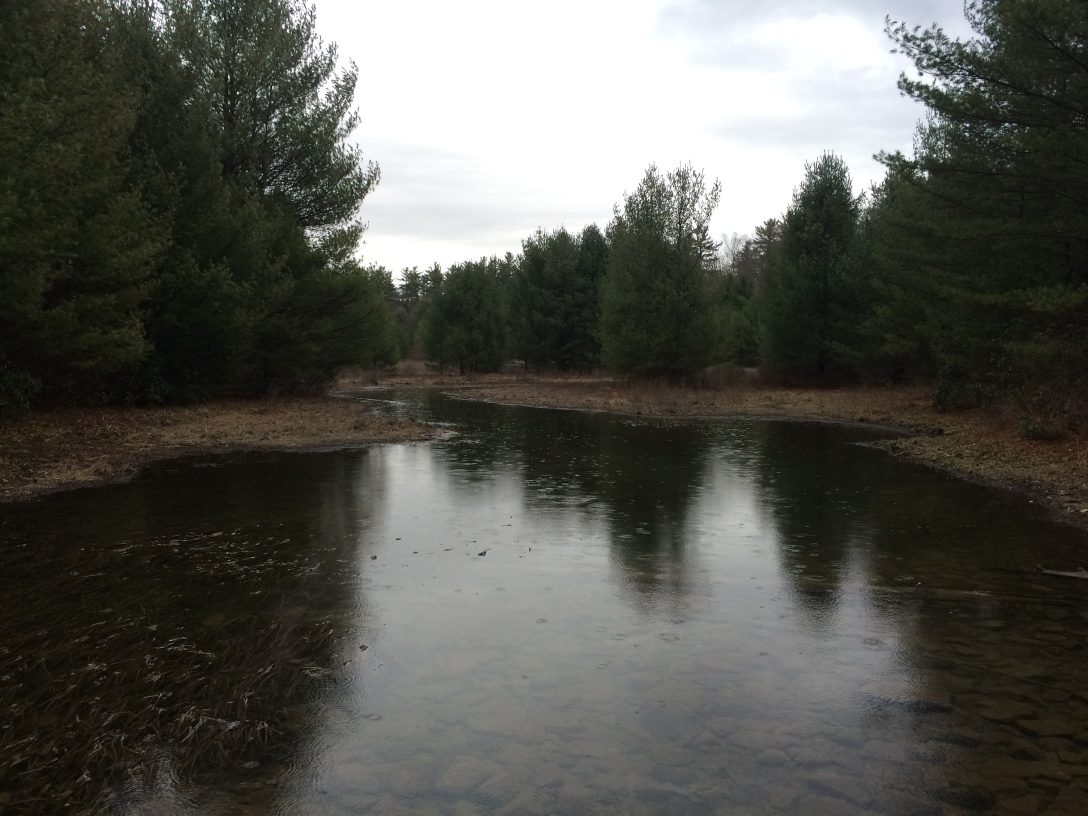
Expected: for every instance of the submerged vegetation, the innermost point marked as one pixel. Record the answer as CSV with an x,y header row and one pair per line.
x,y
90,725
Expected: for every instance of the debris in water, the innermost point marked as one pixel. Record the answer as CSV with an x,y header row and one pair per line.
x,y
1081,573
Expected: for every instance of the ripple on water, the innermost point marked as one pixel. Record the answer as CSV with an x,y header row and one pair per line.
x,y
903,676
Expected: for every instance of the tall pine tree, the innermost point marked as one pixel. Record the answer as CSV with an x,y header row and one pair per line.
x,y
807,294
1002,170
657,317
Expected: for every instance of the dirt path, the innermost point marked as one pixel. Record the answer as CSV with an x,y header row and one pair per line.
x,y
53,450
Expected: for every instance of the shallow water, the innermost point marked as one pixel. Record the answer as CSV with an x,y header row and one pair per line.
x,y
562,613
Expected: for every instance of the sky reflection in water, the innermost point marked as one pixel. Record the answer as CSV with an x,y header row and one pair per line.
x,y
578,613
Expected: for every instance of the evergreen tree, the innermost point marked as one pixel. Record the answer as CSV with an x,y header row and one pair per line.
x,y
657,318
409,310
736,304
808,296
279,106
897,249
177,196
583,352
1001,165
466,319
77,243
545,284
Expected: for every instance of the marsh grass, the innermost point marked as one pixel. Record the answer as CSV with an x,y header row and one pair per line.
x,y
86,723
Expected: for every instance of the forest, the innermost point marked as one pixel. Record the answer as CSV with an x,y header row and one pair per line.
x,y
180,219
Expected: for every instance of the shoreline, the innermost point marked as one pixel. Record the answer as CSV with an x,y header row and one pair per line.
x,y
982,446
47,452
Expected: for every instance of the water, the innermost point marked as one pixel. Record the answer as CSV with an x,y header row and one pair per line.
x,y
561,613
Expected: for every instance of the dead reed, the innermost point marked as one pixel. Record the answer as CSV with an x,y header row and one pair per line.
x,y
79,735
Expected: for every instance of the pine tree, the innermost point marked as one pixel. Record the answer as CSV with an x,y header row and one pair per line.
x,y
1002,168
466,318
657,318
806,295
77,243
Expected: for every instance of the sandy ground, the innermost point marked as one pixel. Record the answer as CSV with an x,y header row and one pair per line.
x,y
53,450
984,446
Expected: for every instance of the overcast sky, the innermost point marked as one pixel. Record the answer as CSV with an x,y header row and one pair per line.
x,y
491,118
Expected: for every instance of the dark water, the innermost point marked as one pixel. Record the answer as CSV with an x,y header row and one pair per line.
x,y
738,617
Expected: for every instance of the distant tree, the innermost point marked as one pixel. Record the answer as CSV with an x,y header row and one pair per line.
x,y
410,289
431,281
529,316
545,290
466,321
739,267
738,333
584,349
731,247
409,310
657,318
765,245
807,314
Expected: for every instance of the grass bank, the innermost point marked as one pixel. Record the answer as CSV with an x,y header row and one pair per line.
x,y
982,445
52,450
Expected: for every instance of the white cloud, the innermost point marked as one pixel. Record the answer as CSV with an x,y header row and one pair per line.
x,y
492,118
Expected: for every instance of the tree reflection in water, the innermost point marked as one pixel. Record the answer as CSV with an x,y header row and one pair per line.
x,y
577,612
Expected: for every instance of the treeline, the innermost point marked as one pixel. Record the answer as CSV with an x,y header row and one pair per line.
x,y
640,299
967,266
178,203
179,219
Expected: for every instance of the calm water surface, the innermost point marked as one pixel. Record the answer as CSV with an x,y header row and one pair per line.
x,y
561,613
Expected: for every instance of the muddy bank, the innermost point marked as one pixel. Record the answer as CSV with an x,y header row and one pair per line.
x,y
984,446
53,450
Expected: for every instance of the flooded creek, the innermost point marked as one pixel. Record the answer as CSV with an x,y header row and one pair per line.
x,y
545,612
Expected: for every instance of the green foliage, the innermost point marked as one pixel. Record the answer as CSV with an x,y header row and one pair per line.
x,y
178,202
584,304
77,244
809,295
1000,190
330,319
555,298
408,311
278,105
894,246
656,316
466,317
738,329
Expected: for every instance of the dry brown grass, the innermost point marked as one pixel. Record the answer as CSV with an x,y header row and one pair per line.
x,y
56,449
